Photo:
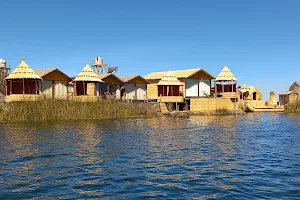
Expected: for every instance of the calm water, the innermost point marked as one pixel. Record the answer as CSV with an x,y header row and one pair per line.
x,y
235,157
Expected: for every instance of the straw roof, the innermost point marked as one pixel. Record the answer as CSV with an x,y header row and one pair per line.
x,y
178,73
244,86
297,83
126,79
44,72
287,92
87,74
23,71
226,75
169,79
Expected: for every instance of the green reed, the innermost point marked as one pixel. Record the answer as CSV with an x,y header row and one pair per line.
x,y
52,110
292,107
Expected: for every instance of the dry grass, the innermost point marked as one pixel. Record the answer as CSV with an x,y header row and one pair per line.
x,y
52,110
292,107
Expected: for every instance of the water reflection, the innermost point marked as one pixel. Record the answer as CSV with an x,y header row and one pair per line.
x,y
201,157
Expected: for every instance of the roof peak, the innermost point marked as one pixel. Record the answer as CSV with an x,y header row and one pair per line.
x,y
226,75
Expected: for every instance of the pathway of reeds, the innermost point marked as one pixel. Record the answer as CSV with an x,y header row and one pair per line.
x,y
53,110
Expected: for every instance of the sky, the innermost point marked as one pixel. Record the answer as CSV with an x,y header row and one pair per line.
x,y
258,40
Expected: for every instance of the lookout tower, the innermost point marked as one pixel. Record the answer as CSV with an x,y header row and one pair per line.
x,y
99,67
4,71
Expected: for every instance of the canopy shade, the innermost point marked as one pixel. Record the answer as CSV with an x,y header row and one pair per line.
x,y
23,71
87,74
226,75
169,79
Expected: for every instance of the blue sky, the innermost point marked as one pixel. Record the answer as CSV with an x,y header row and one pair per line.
x,y
259,40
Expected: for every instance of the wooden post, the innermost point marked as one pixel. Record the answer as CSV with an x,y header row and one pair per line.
x,y
216,91
100,89
23,86
74,89
135,92
10,87
95,88
222,88
53,89
198,87
83,87
36,88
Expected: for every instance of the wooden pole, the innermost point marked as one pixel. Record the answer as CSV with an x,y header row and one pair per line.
x,y
36,87
83,83
216,91
198,87
53,89
100,89
222,88
10,87
23,86
74,88
135,92
95,89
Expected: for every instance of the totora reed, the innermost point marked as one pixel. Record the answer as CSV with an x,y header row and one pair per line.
x,y
52,110
292,107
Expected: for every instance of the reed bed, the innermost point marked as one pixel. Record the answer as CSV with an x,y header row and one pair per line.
x,y
53,110
292,107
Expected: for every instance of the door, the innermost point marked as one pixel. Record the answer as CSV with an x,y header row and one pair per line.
x,y
191,87
204,88
60,89
141,91
129,89
46,88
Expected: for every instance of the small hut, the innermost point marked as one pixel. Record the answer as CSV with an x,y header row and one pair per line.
x,y
112,85
85,85
54,83
169,88
295,87
23,84
135,87
225,84
288,97
250,92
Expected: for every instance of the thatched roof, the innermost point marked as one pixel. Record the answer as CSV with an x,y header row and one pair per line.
x,y
23,71
178,73
226,75
87,74
126,79
297,83
169,79
44,72
103,76
287,92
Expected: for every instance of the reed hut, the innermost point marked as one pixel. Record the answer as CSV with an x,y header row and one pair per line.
x,y
133,87
169,88
250,92
225,84
288,97
54,83
85,85
23,84
295,87
111,84
195,82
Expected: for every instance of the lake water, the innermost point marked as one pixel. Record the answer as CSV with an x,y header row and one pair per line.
x,y
251,156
